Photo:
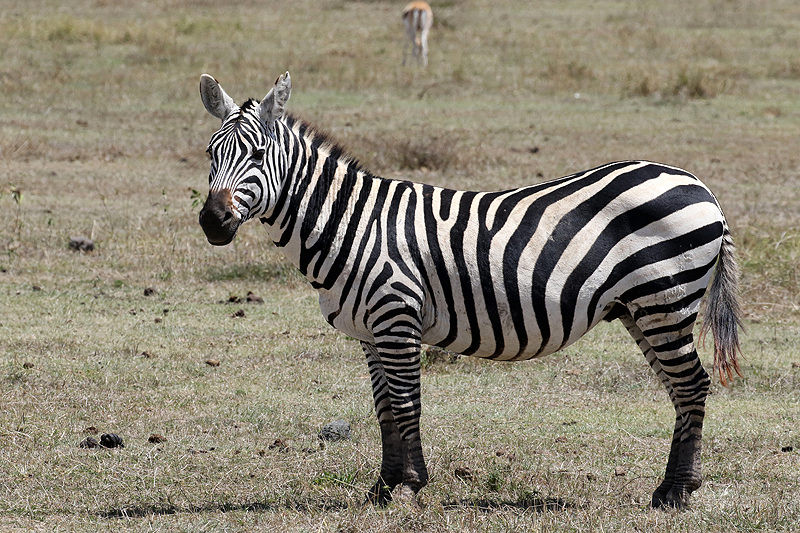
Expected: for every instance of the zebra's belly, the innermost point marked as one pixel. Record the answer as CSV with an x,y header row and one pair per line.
x,y
502,338
499,331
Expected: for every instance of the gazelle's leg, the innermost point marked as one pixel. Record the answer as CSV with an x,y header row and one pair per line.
x,y
672,356
423,39
410,38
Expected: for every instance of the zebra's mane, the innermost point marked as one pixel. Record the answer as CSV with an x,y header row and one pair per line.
x,y
323,141
314,137
251,102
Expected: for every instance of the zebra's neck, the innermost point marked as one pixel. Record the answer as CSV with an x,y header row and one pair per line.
x,y
319,193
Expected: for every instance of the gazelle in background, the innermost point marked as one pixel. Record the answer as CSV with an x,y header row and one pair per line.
x,y
418,19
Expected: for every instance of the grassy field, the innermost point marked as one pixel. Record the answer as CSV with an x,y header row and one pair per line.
x,y
102,135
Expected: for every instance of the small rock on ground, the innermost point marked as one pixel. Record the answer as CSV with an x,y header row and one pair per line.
x,y
111,440
155,438
81,243
336,430
89,442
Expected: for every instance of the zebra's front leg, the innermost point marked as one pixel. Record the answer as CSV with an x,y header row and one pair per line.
x,y
393,454
395,376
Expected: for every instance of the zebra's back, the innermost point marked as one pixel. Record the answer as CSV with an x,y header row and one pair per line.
x,y
522,273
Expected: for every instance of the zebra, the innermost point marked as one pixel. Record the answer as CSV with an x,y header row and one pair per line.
x,y
509,275
417,19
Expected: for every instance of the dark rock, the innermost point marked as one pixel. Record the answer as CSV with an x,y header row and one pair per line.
x,y
89,442
155,438
149,291
81,244
336,430
111,440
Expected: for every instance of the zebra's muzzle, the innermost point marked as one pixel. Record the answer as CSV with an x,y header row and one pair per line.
x,y
218,219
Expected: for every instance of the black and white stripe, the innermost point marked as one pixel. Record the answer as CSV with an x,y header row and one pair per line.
x,y
506,275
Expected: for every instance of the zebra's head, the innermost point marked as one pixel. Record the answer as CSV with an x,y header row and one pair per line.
x,y
246,160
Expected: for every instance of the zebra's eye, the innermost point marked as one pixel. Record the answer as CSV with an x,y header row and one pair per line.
x,y
258,155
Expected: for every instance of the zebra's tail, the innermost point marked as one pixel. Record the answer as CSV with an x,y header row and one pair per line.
x,y
723,314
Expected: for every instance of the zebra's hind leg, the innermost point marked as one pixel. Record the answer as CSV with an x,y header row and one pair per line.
x,y
671,354
402,461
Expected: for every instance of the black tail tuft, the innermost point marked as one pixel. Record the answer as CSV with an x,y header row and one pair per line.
x,y
723,315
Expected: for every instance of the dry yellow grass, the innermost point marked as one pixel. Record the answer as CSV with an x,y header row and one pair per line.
x,y
102,134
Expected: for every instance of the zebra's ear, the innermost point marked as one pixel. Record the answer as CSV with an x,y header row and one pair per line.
x,y
271,108
216,101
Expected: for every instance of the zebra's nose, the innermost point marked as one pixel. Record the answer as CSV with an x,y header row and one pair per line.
x,y
217,218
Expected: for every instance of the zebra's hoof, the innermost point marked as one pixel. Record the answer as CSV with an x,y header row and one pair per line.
x,y
407,496
378,496
673,499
